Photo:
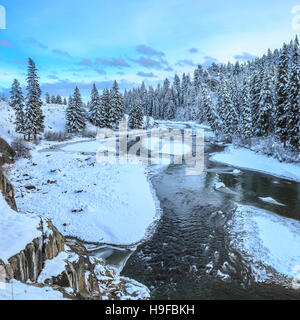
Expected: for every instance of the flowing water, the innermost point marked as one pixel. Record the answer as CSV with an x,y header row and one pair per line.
x,y
189,255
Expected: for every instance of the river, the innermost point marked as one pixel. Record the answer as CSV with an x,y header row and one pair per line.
x,y
189,255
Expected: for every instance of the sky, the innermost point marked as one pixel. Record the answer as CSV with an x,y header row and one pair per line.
x,y
77,42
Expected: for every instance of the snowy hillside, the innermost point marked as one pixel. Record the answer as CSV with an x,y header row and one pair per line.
x,y
84,199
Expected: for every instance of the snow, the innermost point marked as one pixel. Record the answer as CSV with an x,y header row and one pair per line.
x,y
15,290
268,238
91,146
7,119
271,200
247,159
167,147
54,117
219,185
53,267
96,203
16,230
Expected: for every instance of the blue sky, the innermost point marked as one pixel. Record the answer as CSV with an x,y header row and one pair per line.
x,y
80,42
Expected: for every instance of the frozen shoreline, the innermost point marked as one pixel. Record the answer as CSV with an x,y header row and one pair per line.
x,y
98,203
256,232
246,159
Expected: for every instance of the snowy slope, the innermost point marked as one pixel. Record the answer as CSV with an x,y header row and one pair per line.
x,y
16,230
268,238
7,116
107,203
247,159
15,290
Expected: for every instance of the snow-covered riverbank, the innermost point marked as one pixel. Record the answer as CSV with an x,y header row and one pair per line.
x,y
247,159
95,203
268,240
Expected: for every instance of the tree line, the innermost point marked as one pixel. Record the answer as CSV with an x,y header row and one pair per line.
x,y
258,98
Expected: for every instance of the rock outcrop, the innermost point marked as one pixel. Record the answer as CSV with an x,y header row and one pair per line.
x,y
7,154
7,190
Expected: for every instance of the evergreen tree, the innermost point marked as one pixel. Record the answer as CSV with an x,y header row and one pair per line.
x,y
17,103
282,95
209,111
47,97
105,110
177,90
116,108
96,111
246,129
65,101
75,113
53,100
34,118
59,99
264,123
294,98
136,116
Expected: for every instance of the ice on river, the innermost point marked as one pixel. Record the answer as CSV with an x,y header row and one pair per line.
x,y
271,200
268,238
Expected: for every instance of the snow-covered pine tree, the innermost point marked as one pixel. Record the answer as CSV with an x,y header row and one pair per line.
x,y
59,99
282,95
255,87
170,107
229,114
136,116
209,112
294,99
34,118
75,113
47,97
17,103
177,91
53,99
96,112
245,128
116,106
105,110
264,123
144,99
65,101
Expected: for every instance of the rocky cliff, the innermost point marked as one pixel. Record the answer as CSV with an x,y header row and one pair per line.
x,y
50,260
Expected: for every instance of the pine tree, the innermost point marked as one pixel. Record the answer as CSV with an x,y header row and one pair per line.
x,y
282,95
177,90
255,86
34,118
209,111
96,109
294,99
47,97
264,123
246,129
116,107
65,101
17,103
75,113
105,110
136,116
58,99
53,100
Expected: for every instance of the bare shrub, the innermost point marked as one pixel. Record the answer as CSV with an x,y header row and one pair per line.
x,y
57,136
21,148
